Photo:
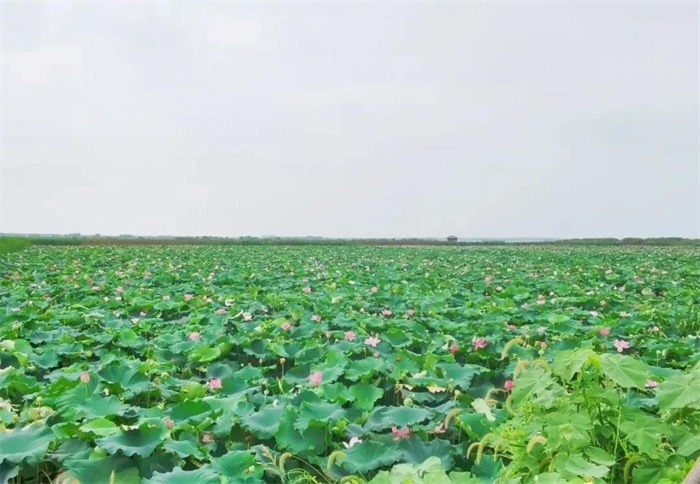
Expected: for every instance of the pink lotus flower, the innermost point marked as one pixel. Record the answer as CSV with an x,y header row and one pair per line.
x,y
541,330
215,384
543,344
315,378
374,289
188,297
541,301
511,327
207,437
316,318
488,279
410,312
352,441
247,316
85,377
195,335
479,343
625,314
350,336
400,433
169,424
307,289
376,354
604,332
286,326
372,341
386,312
621,345
454,348
221,311
508,385
651,384
120,289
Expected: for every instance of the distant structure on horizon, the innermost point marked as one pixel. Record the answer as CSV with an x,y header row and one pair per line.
x,y
452,238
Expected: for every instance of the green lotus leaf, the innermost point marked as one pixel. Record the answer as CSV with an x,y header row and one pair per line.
x,y
367,456
364,368
142,441
311,441
263,424
385,417
365,395
318,412
190,410
203,475
184,449
238,467
113,469
28,443
8,471
100,426
48,359
97,407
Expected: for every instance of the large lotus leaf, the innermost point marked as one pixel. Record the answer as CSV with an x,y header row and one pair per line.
x,y
263,424
184,449
365,395
415,451
385,417
190,410
311,441
8,471
367,456
320,412
204,354
48,359
98,406
141,441
30,443
114,469
364,368
100,426
679,392
626,371
238,467
461,375
129,379
203,475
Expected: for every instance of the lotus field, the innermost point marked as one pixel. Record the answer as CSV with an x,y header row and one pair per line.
x,y
312,364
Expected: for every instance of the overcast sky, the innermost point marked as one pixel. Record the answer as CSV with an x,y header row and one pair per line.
x,y
341,119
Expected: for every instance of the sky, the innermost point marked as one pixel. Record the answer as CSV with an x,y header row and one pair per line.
x,y
376,119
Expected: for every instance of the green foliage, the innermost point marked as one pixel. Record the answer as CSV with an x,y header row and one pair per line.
x,y
174,364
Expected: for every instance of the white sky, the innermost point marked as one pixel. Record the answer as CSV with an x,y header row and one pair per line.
x,y
351,119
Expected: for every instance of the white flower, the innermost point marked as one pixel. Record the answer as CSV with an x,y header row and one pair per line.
x,y
353,441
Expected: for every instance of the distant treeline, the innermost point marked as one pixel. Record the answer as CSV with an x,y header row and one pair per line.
x,y
9,244
13,244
